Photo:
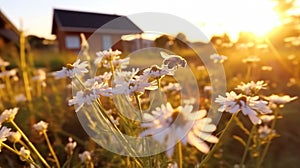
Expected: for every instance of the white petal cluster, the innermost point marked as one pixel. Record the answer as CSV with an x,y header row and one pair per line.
x,y
4,133
117,63
276,99
40,127
250,106
168,126
106,54
71,145
85,157
14,137
251,87
24,154
88,96
172,87
77,68
40,75
8,114
127,82
218,58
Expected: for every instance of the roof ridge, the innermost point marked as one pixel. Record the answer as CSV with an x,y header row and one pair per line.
x,y
86,12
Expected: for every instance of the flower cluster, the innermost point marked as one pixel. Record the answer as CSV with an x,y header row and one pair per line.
x,y
170,126
250,106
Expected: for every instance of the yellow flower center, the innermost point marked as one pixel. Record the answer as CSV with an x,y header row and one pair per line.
x,y
70,66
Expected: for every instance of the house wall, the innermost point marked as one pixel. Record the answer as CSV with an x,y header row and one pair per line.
x,y
94,39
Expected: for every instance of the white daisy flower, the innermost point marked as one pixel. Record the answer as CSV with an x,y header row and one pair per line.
x,y
20,97
266,118
251,59
85,157
4,134
106,54
77,68
71,145
168,126
14,137
100,78
88,96
264,131
250,106
3,63
266,68
251,87
172,87
118,63
40,127
157,72
218,58
12,72
24,154
276,99
40,75
129,83
8,114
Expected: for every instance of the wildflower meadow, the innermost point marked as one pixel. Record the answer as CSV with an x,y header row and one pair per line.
x,y
218,105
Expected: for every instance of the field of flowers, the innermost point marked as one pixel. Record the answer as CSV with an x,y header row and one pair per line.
x,y
227,105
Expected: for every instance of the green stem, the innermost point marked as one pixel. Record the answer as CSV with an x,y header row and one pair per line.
x,y
265,151
138,102
179,154
18,153
215,147
112,68
30,144
247,145
10,149
115,129
51,149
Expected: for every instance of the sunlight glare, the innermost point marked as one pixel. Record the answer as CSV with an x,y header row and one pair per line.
x,y
258,17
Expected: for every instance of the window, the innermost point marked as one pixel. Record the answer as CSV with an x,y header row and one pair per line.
x,y
106,42
72,42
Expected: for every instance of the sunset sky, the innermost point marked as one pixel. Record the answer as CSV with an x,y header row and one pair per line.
x,y
210,16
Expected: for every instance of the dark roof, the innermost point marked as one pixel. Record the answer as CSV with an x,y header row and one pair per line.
x,y
68,20
7,30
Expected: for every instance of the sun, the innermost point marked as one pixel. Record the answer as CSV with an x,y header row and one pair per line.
x,y
258,17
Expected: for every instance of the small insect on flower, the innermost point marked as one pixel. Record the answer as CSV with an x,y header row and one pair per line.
x,y
77,68
172,62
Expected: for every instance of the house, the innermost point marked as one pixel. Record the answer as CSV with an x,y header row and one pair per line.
x,y
9,34
67,26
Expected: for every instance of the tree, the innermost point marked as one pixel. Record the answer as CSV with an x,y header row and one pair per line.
x,y
162,41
